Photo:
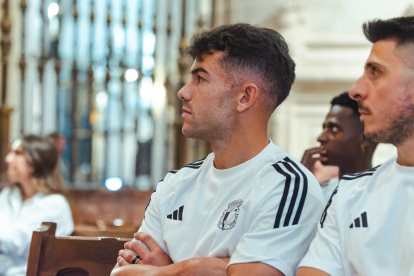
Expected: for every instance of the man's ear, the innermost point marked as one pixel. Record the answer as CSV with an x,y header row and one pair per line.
x,y
246,98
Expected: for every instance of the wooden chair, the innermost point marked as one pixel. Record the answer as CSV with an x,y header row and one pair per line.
x,y
71,256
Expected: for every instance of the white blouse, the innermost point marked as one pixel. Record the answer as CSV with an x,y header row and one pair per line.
x,y
18,220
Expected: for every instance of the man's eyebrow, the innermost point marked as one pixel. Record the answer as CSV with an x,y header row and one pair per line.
x,y
198,69
371,64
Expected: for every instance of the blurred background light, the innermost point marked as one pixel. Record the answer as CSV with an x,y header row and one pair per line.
x,y
118,222
146,92
52,10
131,75
113,183
101,100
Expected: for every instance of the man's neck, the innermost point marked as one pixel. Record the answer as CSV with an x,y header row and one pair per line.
x,y
405,153
238,150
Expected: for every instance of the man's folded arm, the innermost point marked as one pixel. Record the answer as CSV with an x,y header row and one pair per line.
x,y
200,266
256,268
309,271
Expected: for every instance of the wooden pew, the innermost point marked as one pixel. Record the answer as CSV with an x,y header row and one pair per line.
x,y
94,211
71,256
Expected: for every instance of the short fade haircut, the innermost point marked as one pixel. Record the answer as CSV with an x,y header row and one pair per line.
x,y
344,100
261,51
400,29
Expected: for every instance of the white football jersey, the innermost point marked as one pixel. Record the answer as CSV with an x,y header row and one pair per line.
x,y
368,225
264,210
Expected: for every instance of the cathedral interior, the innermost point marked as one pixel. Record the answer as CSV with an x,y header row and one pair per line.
x,y
104,74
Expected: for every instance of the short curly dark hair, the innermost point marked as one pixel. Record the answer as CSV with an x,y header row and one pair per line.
x,y
345,100
400,29
262,51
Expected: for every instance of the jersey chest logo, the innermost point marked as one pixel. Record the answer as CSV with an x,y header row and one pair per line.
x,y
229,217
357,221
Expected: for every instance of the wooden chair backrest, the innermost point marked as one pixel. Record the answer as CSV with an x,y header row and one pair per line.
x,y
71,256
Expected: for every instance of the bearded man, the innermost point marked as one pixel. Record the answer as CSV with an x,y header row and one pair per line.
x,y
367,227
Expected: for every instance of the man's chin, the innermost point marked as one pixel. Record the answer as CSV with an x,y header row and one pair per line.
x,y
190,133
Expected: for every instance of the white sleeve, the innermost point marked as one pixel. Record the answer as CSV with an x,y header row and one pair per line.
x,y
325,250
15,237
151,224
278,235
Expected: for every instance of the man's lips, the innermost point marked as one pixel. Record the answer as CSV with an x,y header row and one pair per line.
x,y
363,115
363,110
186,110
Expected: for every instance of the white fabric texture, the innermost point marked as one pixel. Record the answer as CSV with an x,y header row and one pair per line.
x,y
265,210
18,221
329,186
368,228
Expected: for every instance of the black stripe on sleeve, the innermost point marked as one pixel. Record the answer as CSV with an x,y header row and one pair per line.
x,y
304,191
199,162
294,195
148,203
369,170
192,166
360,174
284,196
347,177
323,217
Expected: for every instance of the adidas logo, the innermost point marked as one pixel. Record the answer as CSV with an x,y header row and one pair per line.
x,y
177,214
357,221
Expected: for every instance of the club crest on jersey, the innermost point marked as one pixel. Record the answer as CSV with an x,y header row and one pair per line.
x,y
229,217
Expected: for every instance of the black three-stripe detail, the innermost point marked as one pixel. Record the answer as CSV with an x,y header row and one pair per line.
x,y
194,165
304,191
284,196
287,163
294,195
323,217
177,214
357,221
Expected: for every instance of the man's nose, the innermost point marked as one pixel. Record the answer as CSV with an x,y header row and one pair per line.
x,y
184,93
359,90
322,137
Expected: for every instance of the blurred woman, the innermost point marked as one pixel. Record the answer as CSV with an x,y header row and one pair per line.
x,y
32,198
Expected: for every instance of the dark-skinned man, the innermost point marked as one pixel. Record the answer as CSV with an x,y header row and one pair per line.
x,y
343,143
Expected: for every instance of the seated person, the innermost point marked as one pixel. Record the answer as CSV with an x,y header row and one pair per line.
x,y
31,199
367,227
343,143
247,208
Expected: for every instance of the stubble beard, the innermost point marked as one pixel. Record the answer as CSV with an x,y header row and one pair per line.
x,y
212,128
400,129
